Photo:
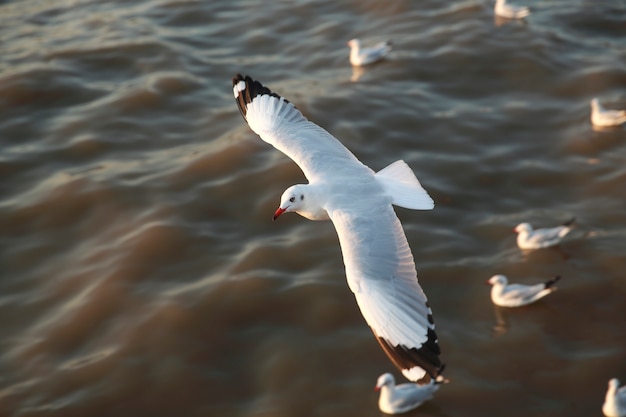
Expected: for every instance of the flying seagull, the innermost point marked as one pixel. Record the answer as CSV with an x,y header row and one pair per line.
x,y
379,264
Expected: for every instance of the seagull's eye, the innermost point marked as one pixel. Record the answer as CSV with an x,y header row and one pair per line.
x,y
292,199
301,197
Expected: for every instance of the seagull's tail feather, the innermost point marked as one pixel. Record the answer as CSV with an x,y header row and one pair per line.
x,y
400,183
550,283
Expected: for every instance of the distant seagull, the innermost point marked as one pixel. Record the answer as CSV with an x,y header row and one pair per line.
x,y
509,11
366,56
527,238
396,399
615,401
516,295
605,118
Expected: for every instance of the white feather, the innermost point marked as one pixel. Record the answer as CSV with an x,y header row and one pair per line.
x,y
379,265
402,185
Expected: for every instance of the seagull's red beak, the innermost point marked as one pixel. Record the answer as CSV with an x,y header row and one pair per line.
x,y
487,282
376,389
278,212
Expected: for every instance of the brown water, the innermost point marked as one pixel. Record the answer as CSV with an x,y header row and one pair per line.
x,y
140,271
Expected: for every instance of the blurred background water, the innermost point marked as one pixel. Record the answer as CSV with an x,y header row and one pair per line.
x,y
140,271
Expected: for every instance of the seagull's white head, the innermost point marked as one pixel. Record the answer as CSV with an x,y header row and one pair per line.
x,y
302,199
497,280
595,103
354,43
523,228
614,384
385,380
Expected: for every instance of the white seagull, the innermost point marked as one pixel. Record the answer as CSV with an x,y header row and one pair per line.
x,y
516,295
529,238
396,399
615,401
509,11
606,118
379,264
366,56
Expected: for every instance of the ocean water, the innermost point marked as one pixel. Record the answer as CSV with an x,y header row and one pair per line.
x,y
140,271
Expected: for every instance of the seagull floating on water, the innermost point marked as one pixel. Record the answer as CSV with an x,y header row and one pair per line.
x,y
516,295
396,399
529,238
366,56
615,401
510,11
606,118
379,264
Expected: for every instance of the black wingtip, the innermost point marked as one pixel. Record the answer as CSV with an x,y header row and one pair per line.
x,y
242,92
570,222
440,379
246,92
238,77
425,357
553,281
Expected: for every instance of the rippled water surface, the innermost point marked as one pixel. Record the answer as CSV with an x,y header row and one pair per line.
x,y
140,271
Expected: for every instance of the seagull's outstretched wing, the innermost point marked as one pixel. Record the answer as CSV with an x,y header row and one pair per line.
x,y
381,273
378,260
279,123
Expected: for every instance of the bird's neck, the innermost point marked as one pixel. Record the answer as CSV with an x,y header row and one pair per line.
x,y
354,52
313,209
610,404
610,394
497,289
385,393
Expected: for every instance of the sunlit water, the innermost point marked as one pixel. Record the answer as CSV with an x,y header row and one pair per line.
x,y
140,271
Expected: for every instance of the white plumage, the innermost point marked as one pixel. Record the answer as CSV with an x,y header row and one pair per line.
x,y
396,399
606,118
510,11
378,261
365,56
529,238
615,400
516,295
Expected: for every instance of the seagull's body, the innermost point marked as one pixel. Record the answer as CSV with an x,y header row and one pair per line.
x,y
509,11
396,399
379,264
529,238
504,294
615,400
606,118
365,56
